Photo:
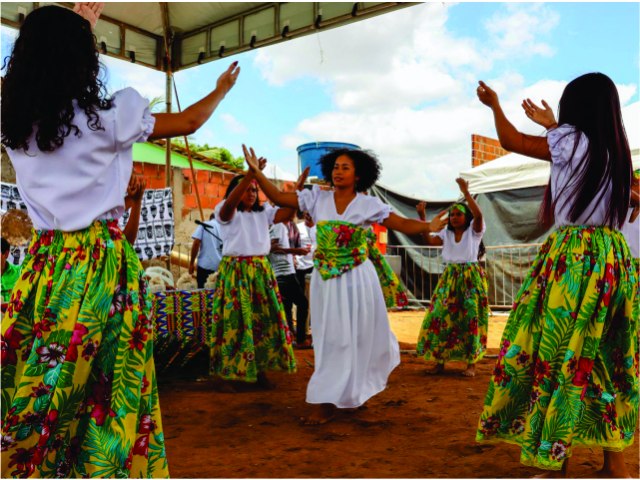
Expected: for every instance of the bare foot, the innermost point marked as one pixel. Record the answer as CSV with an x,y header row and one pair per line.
x,y
264,383
321,414
470,371
614,466
437,370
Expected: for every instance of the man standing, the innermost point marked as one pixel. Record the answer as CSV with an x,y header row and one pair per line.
x,y
207,247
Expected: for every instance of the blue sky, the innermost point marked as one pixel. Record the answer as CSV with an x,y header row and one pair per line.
x,y
403,84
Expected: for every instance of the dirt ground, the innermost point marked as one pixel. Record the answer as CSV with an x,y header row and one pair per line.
x,y
421,426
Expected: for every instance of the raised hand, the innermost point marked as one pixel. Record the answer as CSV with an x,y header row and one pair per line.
x,y
302,179
541,116
463,184
486,95
262,163
227,80
90,11
437,223
253,162
421,208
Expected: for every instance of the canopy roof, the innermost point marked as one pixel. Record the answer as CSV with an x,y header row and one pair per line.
x,y
199,32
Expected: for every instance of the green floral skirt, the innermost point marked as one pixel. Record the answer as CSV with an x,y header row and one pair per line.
x,y
455,325
567,372
79,395
249,332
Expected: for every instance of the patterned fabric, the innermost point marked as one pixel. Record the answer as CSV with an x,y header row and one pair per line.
x,y
342,246
79,395
249,332
182,324
567,372
455,325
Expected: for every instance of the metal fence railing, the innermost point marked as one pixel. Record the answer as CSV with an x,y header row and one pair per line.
x,y
420,267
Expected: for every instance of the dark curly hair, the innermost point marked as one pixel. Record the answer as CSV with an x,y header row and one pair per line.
x,y
366,164
54,62
256,207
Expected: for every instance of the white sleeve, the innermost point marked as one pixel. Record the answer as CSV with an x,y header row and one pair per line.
x,y
216,211
307,199
197,235
481,233
133,119
562,141
440,234
270,212
377,210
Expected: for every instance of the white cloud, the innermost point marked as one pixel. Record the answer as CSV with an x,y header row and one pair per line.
x,y
232,124
148,82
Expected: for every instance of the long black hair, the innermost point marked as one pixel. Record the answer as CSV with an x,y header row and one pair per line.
x,y
468,218
366,164
256,207
591,105
54,62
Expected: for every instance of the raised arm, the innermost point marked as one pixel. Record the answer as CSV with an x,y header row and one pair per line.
x,y
412,227
288,213
233,200
473,206
191,119
510,138
421,208
282,199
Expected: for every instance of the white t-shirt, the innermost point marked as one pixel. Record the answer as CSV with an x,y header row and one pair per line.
x,y
282,263
631,232
565,168
466,250
307,238
86,179
210,252
247,233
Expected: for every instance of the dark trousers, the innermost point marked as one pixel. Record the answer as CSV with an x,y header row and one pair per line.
x,y
301,275
202,275
292,292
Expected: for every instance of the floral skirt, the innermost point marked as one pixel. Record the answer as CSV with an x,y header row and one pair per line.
x,y
79,395
455,326
567,372
249,332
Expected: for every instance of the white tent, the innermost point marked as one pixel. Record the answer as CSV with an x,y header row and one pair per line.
x,y
514,171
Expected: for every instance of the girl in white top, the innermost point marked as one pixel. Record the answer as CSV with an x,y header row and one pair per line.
x,y
456,322
354,348
249,334
567,371
78,331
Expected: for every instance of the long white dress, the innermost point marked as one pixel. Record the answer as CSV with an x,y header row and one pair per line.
x,y
355,350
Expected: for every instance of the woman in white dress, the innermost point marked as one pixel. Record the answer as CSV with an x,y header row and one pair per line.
x,y
354,348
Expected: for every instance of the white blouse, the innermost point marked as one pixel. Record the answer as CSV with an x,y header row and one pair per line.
x,y
565,168
466,250
86,178
247,233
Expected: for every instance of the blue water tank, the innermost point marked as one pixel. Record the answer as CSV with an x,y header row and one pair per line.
x,y
310,153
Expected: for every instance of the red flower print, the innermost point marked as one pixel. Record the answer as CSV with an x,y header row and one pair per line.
x,y
561,267
145,384
504,348
138,339
100,399
40,390
401,299
90,350
9,343
490,425
581,378
79,331
541,370
23,459
500,376
522,358
15,304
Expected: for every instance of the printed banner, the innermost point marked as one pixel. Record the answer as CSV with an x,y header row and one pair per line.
x,y
156,230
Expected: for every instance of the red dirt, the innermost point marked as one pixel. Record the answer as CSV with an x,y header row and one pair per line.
x,y
420,426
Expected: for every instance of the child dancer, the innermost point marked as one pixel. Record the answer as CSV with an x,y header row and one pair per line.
x,y
354,348
567,372
79,395
455,325
250,334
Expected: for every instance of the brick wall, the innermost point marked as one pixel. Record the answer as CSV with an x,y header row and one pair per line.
x,y
211,186
485,149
